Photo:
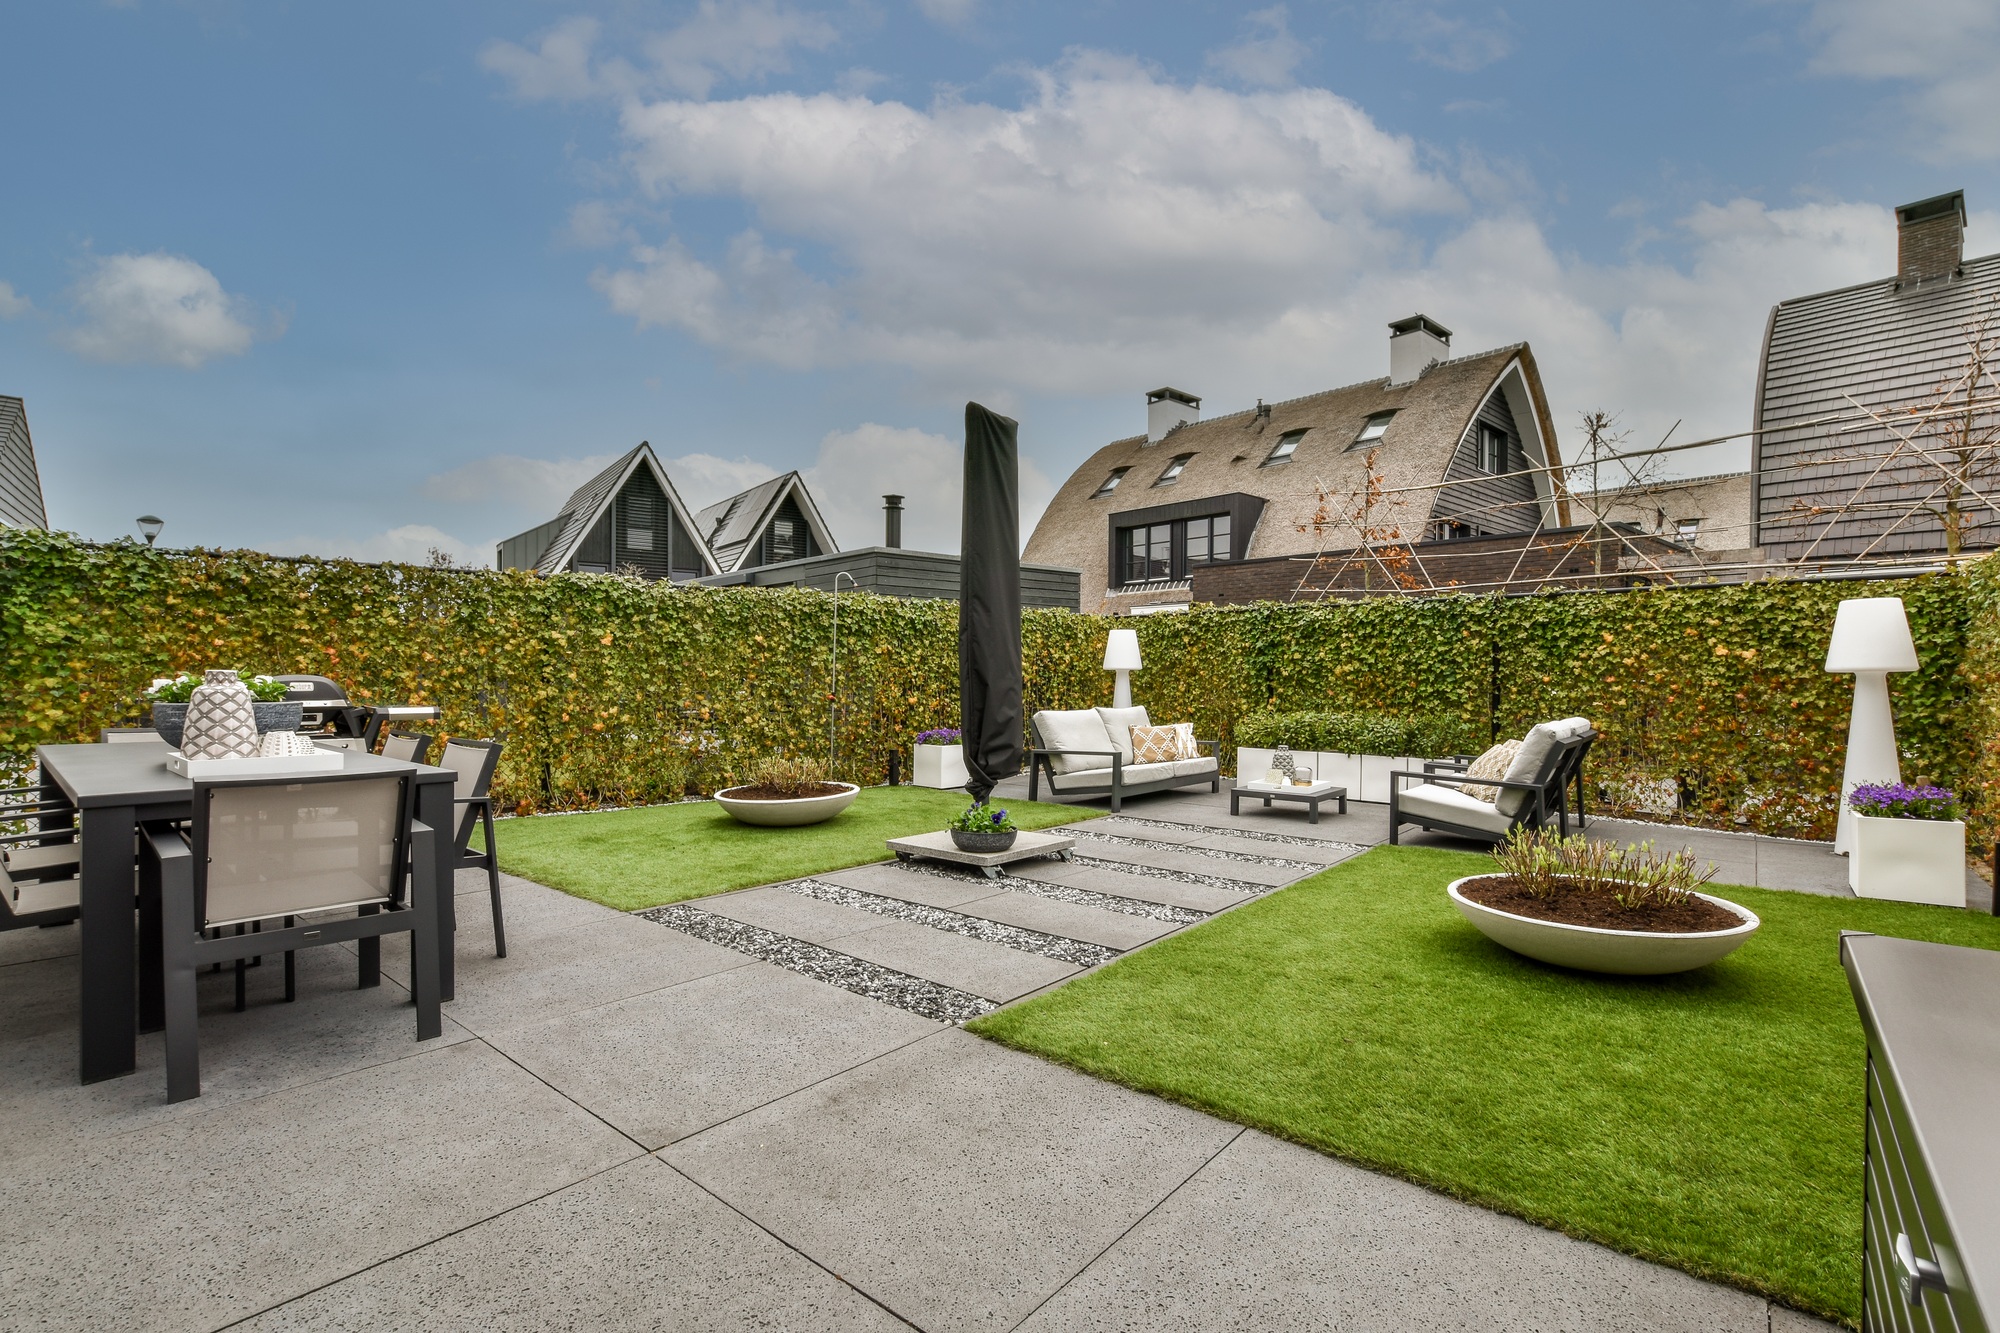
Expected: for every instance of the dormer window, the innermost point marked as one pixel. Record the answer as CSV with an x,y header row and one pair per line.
x,y
1110,483
1373,429
1282,451
1174,470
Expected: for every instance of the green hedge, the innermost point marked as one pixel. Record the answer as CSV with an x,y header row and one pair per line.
x,y
1360,733
608,689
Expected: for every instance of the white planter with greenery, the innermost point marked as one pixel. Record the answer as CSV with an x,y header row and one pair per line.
x,y
1909,845
1637,953
1366,776
791,813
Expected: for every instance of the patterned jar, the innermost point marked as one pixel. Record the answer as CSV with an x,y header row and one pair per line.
x,y
221,719
1281,760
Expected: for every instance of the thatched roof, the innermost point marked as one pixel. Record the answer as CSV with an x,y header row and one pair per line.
x,y
1433,416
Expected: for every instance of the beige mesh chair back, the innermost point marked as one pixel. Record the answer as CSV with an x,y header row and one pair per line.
x,y
267,852
126,735
474,762
412,747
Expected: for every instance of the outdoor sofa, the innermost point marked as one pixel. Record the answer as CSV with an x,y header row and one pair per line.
x,y
1088,752
1533,791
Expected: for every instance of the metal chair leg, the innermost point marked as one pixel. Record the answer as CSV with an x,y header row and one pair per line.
x,y
493,884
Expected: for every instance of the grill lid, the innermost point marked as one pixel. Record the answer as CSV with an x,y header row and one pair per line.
x,y
314,692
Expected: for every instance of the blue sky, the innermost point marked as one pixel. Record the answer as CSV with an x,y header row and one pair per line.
x,y
373,278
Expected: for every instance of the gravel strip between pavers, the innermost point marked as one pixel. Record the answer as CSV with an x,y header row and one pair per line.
x,y
931,999
1059,947
1244,887
1255,835
1219,853
1065,893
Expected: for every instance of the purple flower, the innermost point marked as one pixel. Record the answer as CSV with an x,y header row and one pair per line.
x,y
999,816
1902,801
939,736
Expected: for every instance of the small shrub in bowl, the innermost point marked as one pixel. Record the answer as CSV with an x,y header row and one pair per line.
x,y
983,828
784,792
169,696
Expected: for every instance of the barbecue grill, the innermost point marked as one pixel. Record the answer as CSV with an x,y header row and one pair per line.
x,y
331,718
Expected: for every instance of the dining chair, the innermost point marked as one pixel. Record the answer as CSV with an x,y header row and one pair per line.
x,y
474,762
126,735
258,852
409,746
38,865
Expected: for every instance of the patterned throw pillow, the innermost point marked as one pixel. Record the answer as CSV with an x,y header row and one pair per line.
x,y
1155,745
1492,764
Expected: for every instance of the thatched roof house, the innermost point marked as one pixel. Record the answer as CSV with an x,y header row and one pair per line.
x,y
1295,478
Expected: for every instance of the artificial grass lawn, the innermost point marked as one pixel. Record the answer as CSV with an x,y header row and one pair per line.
x,y
1712,1121
629,859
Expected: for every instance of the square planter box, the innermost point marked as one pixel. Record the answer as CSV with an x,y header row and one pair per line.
x,y
1908,860
939,766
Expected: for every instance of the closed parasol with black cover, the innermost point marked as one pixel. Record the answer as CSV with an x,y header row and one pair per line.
x,y
989,603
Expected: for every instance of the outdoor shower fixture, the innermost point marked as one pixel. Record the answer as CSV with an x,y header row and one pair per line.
x,y
1121,654
1871,638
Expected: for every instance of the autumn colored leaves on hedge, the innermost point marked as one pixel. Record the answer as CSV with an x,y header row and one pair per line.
x,y
1712,702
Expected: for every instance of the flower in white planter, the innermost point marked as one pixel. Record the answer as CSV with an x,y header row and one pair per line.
x,y
1909,844
940,759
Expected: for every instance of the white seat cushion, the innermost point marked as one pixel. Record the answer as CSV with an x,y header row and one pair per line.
x,y
1201,767
1449,805
1118,724
1080,729
1133,774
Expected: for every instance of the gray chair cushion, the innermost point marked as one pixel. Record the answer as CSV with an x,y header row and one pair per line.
x,y
1533,762
1118,724
1451,806
1080,729
1133,775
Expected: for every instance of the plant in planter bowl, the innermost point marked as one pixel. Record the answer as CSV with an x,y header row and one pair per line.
x,y
1909,844
983,828
1599,907
169,696
787,793
940,759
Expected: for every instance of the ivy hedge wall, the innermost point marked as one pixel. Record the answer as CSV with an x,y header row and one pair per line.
x,y
1712,702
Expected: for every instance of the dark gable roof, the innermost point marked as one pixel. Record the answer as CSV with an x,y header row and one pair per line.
x,y
20,480
580,512
730,526
1432,415
1883,347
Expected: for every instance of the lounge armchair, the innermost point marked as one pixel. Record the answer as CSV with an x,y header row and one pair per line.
x,y
1088,752
1532,792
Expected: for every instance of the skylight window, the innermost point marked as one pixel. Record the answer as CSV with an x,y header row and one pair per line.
x,y
1282,451
1110,482
1373,429
1174,470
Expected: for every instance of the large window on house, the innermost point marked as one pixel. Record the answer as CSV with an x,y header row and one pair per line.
x,y
1282,451
1169,550
1497,454
1110,482
1372,429
1174,470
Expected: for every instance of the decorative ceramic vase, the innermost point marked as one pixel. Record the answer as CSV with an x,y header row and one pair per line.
x,y
1282,761
221,719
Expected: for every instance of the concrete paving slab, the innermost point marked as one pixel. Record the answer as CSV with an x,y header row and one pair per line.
x,y
791,914
1152,830
916,886
1114,930
569,970
1801,866
977,967
636,1247
28,946
1270,1235
665,1064
1784,1320
1192,862
1125,884
208,1219
1329,854
957,1182
332,1028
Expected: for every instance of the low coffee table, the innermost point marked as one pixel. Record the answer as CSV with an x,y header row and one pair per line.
x,y
1310,797
939,847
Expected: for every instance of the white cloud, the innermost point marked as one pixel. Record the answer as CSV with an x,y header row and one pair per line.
x,y
510,478
702,479
410,544
856,468
953,13
1444,40
722,40
598,224
1266,56
13,305
158,308
1945,51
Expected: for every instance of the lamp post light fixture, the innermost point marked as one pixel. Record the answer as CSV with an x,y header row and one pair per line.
x,y
1871,638
149,527
1121,654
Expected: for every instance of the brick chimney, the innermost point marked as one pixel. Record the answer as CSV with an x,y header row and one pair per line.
x,y
1930,240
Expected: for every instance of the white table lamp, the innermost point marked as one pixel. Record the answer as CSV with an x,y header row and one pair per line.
x,y
1871,638
1121,654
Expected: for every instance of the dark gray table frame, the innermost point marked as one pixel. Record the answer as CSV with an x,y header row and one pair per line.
x,y
120,787
1300,797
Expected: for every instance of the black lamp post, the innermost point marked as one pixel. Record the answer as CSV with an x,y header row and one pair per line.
x,y
149,527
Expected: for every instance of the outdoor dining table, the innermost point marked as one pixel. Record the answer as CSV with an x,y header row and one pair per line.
x,y
115,788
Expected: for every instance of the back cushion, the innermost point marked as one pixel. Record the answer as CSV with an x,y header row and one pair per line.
x,y
1530,764
1118,724
1493,764
1081,729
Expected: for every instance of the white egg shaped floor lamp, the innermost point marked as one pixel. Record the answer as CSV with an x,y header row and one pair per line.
x,y
1871,638
1121,655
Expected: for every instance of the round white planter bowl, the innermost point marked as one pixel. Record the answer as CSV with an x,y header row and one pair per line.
x,y
1641,953
788,814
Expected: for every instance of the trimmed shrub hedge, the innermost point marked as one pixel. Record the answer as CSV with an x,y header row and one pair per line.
x,y
1359,733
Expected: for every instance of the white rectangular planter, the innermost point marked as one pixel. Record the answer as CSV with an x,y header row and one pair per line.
x,y
1908,860
939,766
1366,776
